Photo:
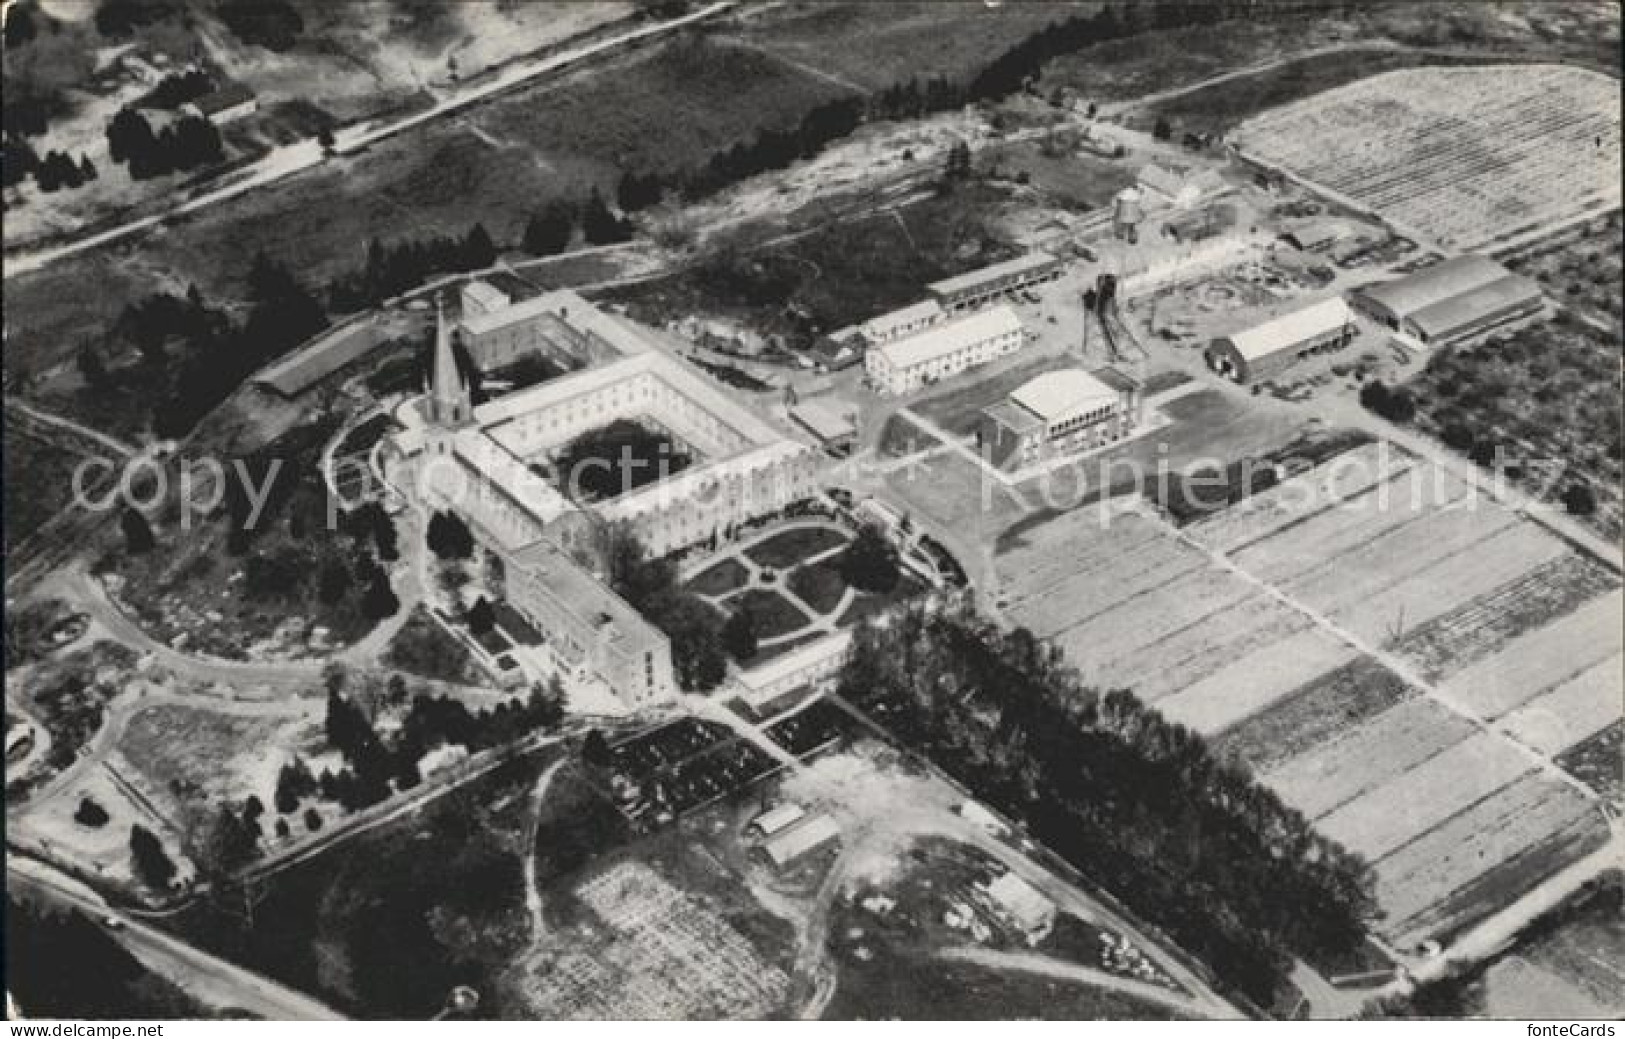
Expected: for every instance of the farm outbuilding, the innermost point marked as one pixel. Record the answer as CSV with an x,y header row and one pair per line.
x,y
777,819
787,846
1022,905
1264,351
1450,301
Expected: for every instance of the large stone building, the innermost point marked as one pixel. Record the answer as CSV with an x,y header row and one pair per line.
x,y
1457,299
1266,350
944,350
1059,413
492,465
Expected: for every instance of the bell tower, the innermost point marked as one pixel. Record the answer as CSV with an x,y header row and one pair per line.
x,y
450,399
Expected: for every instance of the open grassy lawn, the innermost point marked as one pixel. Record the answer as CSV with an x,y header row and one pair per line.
x,y
820,585
787,548
774,614
1219,107
841,273
423,647
957,410
874,45
665,109
726,576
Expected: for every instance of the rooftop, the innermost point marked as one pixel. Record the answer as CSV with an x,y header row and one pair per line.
x,y
790,845
883,325
1460,311
1026,905
772,821
1453,277
945,339
1290,329
823,420
228,96
1056,395
973,279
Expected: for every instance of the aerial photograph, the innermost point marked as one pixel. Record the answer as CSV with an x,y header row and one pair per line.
x,y
813,510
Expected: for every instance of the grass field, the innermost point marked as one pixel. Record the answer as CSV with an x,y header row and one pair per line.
x,y
665,109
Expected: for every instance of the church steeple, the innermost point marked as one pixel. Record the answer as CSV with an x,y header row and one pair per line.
x,y
450,402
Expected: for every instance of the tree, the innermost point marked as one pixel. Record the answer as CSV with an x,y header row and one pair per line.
x,y
379,600
152,864
478,250
600,226
1579,500
283,831
333,581
870,562
1396,404
293,784
1163,129
548,232
482,616
739,635
449,537
958,164
20,27
87,169
324,140
313,820
91,367
231,842
90,814
697,657
595,749
138,537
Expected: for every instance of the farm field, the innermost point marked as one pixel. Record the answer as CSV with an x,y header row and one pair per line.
x,y
1463,155
1284,662
1524,667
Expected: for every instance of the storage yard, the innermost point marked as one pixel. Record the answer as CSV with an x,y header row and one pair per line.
x,y
1398,656
1466,156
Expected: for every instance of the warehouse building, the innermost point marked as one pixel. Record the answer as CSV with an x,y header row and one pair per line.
x,y
1264,351
897,324
905,365
1059,413
980,287
1460,298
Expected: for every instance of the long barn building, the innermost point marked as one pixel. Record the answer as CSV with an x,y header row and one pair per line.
x,y
1265,351
1458,299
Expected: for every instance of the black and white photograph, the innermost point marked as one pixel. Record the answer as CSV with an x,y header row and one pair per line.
x,y
907,511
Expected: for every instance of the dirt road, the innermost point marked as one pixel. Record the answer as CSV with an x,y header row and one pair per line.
x,y
205,977
281,163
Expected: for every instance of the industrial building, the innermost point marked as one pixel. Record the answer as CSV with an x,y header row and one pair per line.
x,y
945,350
232,101
978,288
916,317
1264,351
787,846
1454,300
1059,413
832,429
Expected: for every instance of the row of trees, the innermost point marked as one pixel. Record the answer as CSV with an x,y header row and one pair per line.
x,y
550,230
56,171
1139,804
392,268
187,143
197,354
692,626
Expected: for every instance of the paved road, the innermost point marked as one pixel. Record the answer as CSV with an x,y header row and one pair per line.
x,y
207,978
281,163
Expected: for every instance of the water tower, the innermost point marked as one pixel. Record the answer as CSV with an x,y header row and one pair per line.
x,y
1128,211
